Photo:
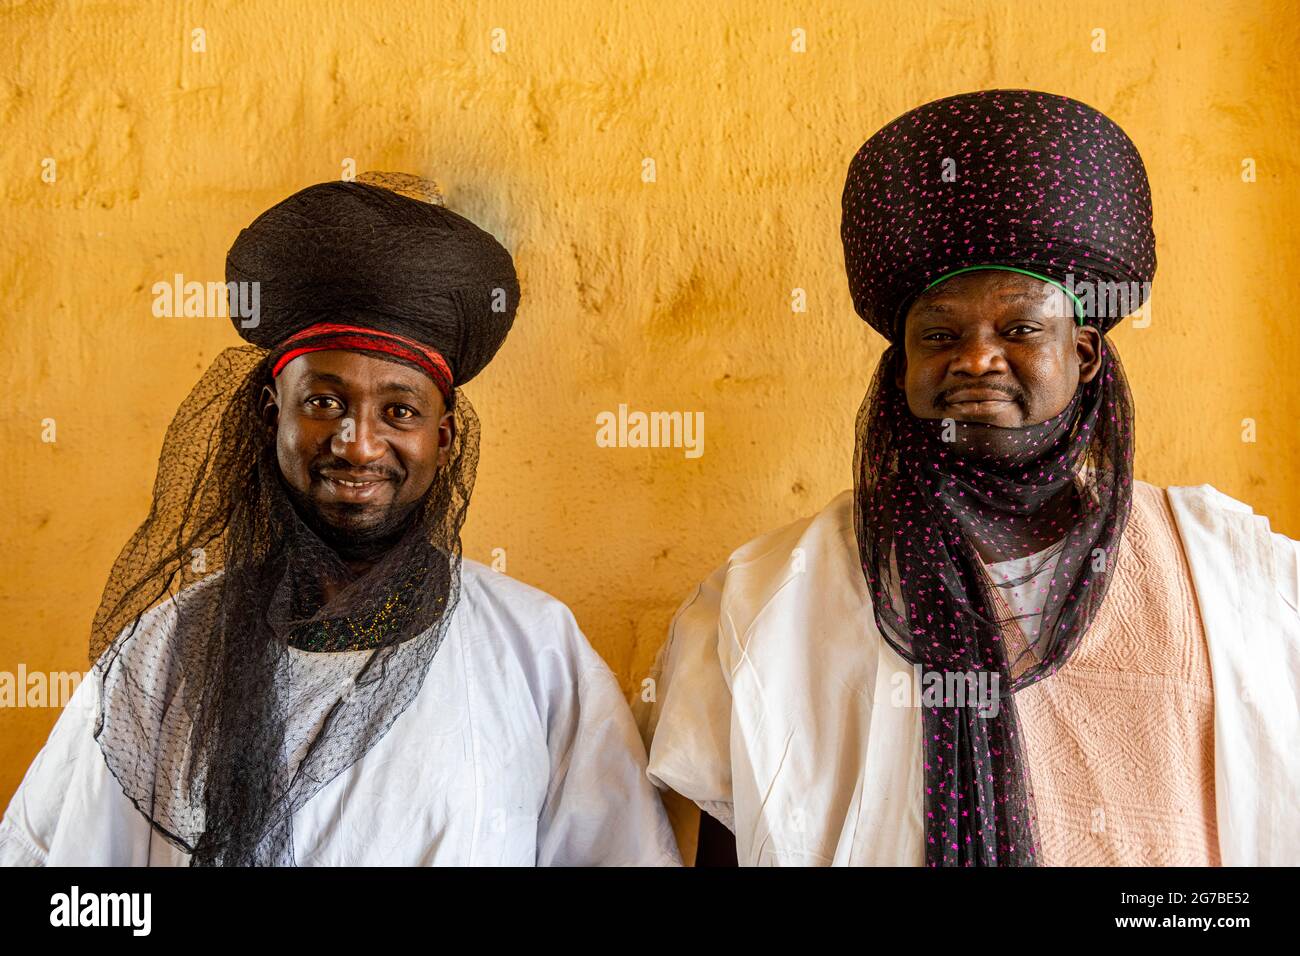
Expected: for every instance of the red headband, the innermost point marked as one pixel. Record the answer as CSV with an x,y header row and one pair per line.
x,y
332,336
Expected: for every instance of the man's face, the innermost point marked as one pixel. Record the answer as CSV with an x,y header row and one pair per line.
x,y
358,438
996,347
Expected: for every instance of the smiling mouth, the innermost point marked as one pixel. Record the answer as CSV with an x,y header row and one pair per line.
x,y
352,489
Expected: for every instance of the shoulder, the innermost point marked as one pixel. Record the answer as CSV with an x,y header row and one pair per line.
x,y
1212,522
1145,491
1196,502
818,532
821,541
153,631
497,594
533,621
1200,513
1205,499
1205,514
815,556
516,636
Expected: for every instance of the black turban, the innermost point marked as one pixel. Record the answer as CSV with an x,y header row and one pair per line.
x,y
357,254
1034,181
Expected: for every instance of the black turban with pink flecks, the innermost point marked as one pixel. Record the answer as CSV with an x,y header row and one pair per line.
x,y
1015,178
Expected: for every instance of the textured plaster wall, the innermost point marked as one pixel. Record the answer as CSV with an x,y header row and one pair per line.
x,y
671,295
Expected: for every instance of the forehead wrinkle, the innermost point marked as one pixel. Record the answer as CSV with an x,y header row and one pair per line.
x,y
311,376
404,387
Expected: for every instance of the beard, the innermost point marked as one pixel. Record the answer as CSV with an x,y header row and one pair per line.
x,y
355,532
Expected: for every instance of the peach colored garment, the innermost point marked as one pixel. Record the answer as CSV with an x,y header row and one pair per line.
x,y
1120,741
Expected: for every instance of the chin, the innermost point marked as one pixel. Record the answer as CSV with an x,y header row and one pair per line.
x,y
1001,421
354,519
1002,414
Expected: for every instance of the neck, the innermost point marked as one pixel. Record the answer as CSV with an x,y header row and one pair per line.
x,y
1047,524
359,568
330,588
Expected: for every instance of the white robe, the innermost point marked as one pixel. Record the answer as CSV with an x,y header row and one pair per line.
x,y
519,749
773,708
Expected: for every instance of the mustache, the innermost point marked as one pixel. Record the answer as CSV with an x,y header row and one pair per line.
x,y
370,471
1014,394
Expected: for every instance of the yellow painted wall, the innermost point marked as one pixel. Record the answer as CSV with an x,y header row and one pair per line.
x,y
666,296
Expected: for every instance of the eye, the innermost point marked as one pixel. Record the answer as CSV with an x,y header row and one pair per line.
x,y
403,412
937,336
1022,329
323,402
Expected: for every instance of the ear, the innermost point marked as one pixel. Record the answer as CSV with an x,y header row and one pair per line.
x,y
1087,348
269,407
900,368
446,436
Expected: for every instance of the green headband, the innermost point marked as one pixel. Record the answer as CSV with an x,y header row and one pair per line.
x,y
1078,306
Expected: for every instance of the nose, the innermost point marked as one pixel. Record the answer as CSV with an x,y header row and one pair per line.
x,y
978,355
359,445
